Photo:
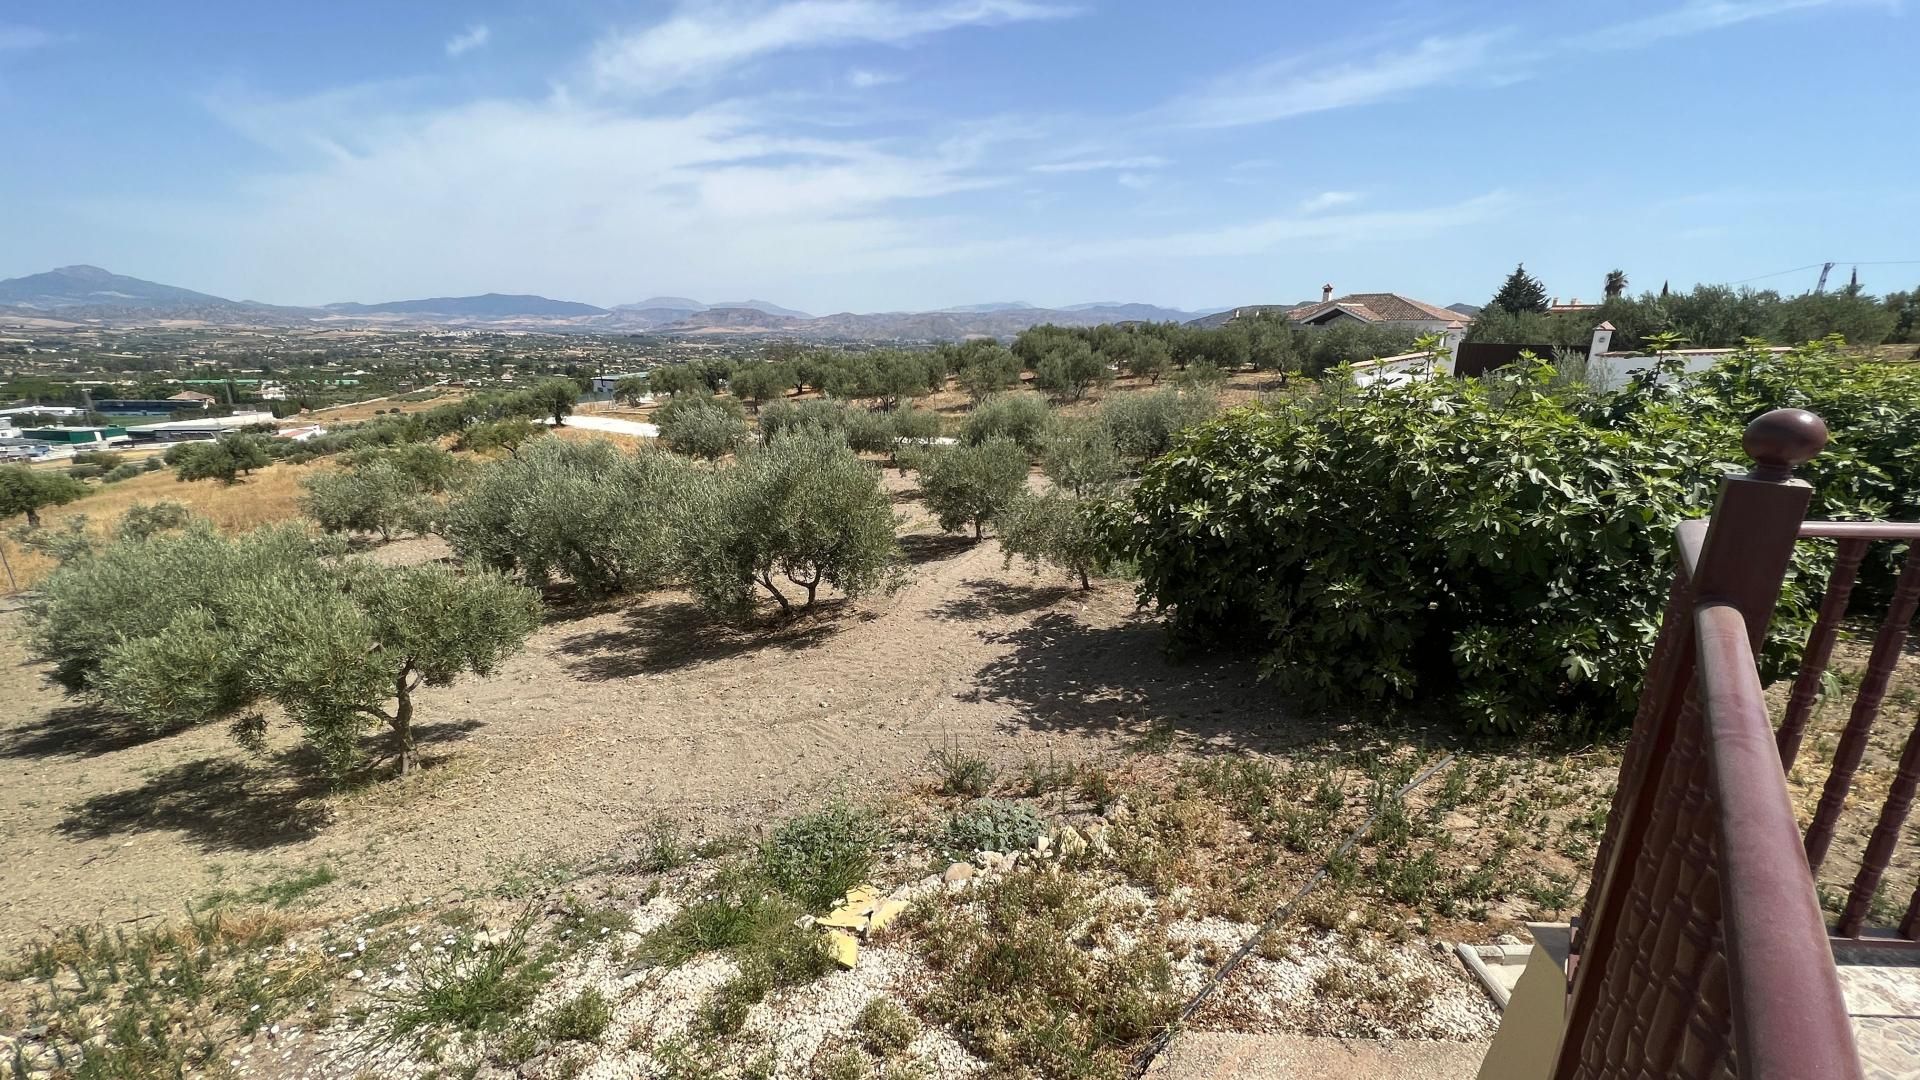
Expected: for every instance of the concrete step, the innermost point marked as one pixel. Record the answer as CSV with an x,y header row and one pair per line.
x,y
1212,1055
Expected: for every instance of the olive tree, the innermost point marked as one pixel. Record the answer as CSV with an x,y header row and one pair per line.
x,y
801,512
556,397
893,376
969,485
1070,369
135,589
1024,418
631,389
1143,425
914,425
383,490
372,498
1057,529
25,491
987,371
758,382
226,460
330,644
1145,356
1081,457
589,511
701,426
675,379
506,435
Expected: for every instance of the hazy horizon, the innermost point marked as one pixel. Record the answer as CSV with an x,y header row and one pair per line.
x,y
882,155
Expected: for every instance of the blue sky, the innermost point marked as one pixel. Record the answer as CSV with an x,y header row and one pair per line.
x,y
891,154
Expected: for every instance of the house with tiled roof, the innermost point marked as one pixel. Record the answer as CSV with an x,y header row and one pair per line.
x,y
1376,309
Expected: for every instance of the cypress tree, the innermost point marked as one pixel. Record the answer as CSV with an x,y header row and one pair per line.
x,y
1521,292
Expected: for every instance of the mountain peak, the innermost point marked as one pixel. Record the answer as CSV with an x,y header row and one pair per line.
x,y
765,307
82,285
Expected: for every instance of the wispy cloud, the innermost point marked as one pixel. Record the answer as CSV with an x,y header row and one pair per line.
x,y
1298,85
20,38
1327,200
1367,73
1699,17
469,39
1289,232
702,41
866,79
1102,164
473,195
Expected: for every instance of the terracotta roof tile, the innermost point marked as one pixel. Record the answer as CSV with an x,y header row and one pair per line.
x,y
1377,307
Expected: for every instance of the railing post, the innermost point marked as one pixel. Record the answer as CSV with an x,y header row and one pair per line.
x,y
1756,520
1740,563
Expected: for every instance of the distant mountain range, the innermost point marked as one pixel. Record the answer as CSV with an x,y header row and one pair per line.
x,y
90,294
491,305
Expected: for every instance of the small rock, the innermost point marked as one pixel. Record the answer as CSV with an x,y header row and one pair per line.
x,y
847,917
356,974
1071,841
843,948
957,873
884,912
1042,844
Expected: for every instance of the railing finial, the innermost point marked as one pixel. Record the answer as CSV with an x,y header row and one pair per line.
x,y
1779,440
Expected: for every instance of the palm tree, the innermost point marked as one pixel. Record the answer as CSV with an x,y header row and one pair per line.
x,y
1616,283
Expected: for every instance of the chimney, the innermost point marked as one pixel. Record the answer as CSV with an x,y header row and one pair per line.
x,y
1326,293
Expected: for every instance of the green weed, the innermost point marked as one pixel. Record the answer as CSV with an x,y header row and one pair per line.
x,y
815,859
963,773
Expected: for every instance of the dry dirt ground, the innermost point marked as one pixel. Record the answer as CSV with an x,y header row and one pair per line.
x,y
610,719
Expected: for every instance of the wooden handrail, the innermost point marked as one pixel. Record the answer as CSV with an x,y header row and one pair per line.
x,y
1789,1015
1860,530
1701,948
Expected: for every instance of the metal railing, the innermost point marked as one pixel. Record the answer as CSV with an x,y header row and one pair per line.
x,y
1701,950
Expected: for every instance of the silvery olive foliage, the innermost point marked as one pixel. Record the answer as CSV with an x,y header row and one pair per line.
x,y
792,516
193,627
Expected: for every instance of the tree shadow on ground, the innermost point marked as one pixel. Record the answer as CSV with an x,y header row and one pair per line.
x,y
987,597
221,803
1063,675
922,548
563,602
663,636
227,803
82,730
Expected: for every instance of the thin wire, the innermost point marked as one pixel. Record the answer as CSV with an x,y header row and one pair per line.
x,y
1279,915
1776,273
1836,262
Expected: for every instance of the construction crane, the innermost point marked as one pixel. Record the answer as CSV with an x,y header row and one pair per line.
x,y
1821,285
